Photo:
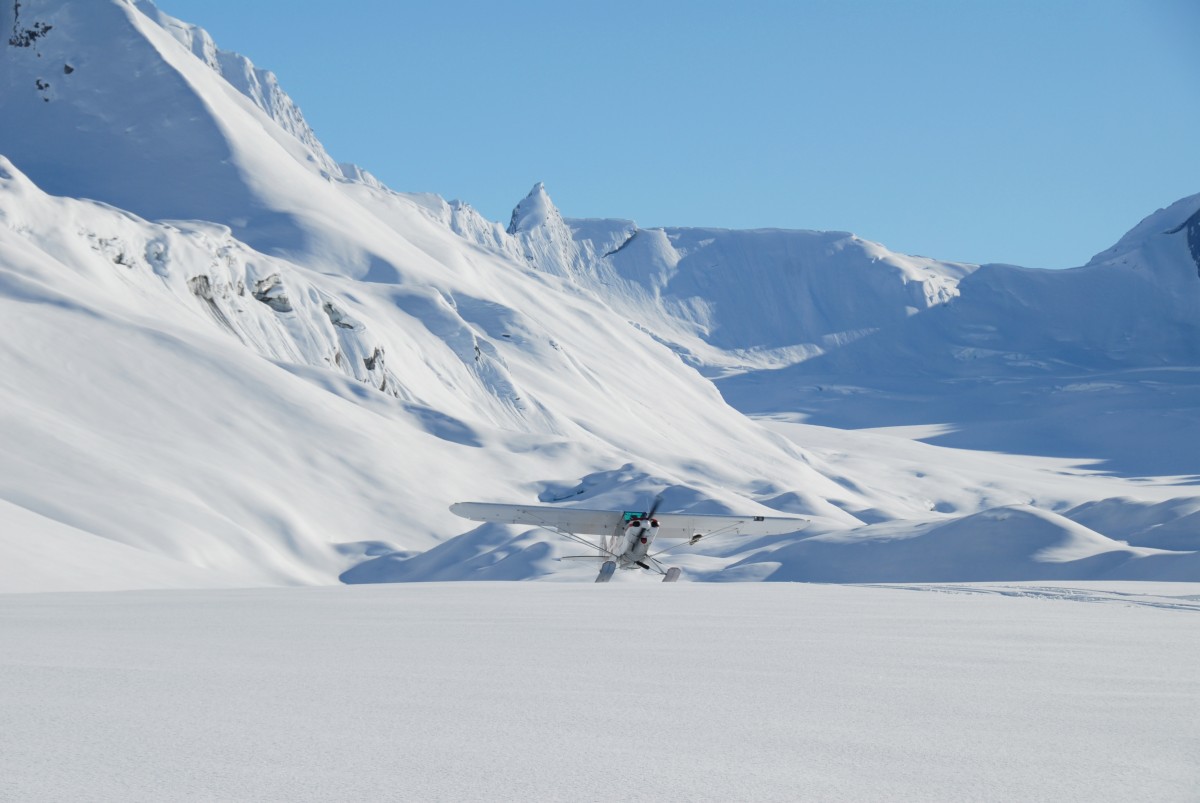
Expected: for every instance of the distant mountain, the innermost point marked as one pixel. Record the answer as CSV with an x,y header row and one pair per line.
x,y
1134,305
833,302
727,300
1098,362
230,359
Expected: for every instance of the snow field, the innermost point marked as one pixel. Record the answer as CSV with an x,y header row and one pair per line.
x,y
517,691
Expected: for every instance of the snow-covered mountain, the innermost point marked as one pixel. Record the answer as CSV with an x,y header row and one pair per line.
x,y
727,300
229,359
1094,362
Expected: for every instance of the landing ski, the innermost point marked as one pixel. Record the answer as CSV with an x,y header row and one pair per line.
x,y
606,571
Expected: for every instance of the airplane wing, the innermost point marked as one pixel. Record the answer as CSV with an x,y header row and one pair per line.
x,y
609,522
686,525
571,519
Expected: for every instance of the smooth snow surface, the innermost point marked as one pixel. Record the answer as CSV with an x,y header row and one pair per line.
x,y
230,360
632,691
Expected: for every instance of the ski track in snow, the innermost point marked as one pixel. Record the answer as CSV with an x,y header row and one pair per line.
x,y
1162,601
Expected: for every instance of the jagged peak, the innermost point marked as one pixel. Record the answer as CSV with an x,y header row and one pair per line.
x,y
534,211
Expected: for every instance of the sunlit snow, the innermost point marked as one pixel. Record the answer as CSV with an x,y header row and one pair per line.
x,y
543,691
243,363
239,380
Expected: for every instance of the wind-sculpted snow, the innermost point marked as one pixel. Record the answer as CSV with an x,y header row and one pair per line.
x,y
1013,543
1173,524
243,363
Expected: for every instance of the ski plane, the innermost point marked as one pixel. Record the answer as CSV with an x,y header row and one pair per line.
x,y
626,536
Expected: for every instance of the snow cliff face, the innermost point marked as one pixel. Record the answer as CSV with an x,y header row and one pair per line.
x,y
240,362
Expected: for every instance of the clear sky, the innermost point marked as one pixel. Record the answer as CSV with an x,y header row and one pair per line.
x,y
1029,132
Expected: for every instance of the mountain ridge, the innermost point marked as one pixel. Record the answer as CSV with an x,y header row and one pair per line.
x,y
248,360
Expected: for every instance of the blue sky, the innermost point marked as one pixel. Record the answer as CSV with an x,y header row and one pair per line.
x,y
1034,133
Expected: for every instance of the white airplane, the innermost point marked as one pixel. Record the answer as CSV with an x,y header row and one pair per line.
x,y
626,535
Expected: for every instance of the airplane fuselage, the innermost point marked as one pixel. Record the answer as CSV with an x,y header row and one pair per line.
x,y
635,542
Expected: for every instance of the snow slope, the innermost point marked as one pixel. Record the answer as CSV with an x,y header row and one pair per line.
x,y
234,393
230,360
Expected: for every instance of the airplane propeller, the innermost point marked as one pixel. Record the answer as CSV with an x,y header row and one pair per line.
x,y
658,500
649,517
